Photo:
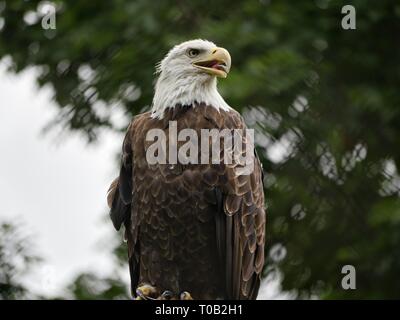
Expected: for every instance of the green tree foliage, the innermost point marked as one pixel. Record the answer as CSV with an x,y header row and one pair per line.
x,y
88,286
16,260
325,103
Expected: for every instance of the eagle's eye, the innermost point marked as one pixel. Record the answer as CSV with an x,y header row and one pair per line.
x,y
193,53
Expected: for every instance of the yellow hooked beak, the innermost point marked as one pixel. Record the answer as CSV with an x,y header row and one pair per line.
x,y
217,62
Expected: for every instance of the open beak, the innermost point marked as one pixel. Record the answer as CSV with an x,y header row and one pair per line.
x,y
217,62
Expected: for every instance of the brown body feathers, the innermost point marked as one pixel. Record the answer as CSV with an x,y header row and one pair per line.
x,y
194,227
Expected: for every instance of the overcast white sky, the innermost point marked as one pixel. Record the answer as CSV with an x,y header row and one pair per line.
x,y
56,188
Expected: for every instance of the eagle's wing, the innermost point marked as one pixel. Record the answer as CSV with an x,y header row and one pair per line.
x,y
119,200
240,226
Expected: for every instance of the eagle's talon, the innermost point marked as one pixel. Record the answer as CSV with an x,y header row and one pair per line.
x,y
185,296
167,295
146,292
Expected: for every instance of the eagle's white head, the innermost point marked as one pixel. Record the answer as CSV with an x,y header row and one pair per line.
x,y
188,75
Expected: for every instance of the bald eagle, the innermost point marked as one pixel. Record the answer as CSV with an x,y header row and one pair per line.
x,y
194,229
